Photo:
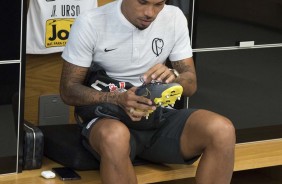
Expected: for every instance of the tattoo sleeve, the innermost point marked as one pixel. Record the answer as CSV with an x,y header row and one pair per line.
x,y
74,92
187,77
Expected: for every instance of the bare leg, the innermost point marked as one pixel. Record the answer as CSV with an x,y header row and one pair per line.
x,y
110,138
214,136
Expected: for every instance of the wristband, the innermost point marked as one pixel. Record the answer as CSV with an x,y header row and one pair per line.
x,y
175,72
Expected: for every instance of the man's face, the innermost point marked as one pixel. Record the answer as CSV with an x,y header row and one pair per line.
x,y
141,13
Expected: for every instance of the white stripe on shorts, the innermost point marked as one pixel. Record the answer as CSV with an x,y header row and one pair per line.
x,y
90,123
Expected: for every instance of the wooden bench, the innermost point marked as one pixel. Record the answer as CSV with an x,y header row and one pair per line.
x,y
247,156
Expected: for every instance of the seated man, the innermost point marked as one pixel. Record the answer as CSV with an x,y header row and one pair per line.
x,y
132,39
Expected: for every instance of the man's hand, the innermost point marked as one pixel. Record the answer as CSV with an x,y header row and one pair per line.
x,y
135,106
160,73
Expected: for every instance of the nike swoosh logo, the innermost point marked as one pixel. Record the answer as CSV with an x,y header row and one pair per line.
x,y
108,50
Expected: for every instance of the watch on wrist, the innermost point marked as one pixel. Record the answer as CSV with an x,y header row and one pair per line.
x,y
175,72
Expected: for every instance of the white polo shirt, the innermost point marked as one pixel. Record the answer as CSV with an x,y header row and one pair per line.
x,y
105,36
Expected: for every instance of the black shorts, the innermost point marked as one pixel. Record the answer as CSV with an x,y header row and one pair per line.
x,y
160,145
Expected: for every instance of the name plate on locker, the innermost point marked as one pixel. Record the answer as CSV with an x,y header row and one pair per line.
x,y
247,44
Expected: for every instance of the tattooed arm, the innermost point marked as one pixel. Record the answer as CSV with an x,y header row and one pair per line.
x,y
187,77
73,92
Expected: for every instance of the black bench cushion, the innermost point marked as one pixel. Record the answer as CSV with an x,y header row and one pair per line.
x,y
63,144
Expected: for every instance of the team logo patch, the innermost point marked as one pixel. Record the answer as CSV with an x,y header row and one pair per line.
x,y
157,46
57,32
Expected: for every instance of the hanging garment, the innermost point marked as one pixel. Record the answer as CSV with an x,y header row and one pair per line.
x,y
49,23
